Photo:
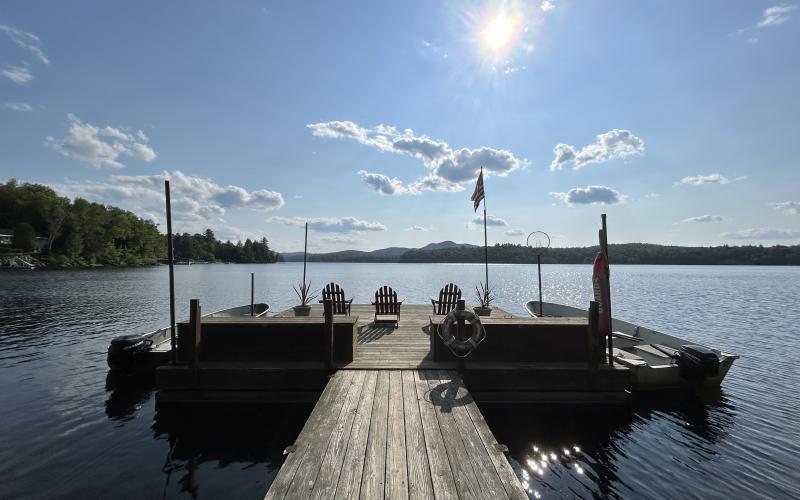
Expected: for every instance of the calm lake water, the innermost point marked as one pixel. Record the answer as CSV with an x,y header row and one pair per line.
x,y
68,432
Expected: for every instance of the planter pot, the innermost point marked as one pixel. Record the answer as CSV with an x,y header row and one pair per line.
x,y
302,310
482,311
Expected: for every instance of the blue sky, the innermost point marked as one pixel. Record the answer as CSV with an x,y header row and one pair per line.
x,y
681,120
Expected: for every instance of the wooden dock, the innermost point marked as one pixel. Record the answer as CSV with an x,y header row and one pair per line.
x,y
410,434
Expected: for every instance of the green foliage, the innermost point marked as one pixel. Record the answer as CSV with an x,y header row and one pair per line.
x,y
627,253
205,247
24,237
82,233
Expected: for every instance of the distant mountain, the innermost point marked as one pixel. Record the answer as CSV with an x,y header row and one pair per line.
x,y
391,254
446,244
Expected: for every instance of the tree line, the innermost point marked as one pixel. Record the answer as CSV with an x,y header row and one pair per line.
x,y
627,253
80,233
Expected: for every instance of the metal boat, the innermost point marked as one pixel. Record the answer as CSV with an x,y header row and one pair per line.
x,y
142,353
656,360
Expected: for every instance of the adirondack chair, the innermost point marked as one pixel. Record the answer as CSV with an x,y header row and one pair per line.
x,y
449,296
386,303
334,292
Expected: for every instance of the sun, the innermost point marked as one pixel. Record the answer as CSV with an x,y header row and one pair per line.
x,y
498,32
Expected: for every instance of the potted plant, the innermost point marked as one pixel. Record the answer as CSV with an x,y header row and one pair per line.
x,y
304,288
303,291
485,297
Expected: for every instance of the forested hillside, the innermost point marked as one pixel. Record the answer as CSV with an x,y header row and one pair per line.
x,y
627,253
81,233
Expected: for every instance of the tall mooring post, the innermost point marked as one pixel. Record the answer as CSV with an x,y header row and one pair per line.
x,y
604,249
173,343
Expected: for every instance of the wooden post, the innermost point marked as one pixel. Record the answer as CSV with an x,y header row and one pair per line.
x,y
593,340
604,247
173,344
327,306
539,266
460,306
195,328
252,294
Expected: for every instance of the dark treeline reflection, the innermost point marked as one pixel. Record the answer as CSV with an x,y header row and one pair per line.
x,y
614,451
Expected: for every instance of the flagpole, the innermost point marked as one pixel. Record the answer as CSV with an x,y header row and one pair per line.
x,y
485,244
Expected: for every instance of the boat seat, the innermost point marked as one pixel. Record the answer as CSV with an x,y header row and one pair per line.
x,y
652,351
619,353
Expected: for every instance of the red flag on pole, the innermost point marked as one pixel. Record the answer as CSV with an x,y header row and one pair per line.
x,y
478,194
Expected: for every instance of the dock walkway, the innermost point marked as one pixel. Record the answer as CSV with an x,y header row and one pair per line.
x,y
396,434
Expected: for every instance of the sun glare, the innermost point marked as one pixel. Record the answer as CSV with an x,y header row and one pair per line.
x,y
498,32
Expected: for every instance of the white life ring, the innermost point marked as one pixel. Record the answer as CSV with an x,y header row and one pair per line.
x,y
461,348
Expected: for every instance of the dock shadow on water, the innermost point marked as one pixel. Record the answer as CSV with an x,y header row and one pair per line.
x,y
208,448
614,451
204,441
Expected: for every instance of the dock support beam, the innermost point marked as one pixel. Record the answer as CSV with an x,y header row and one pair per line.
x,y
195,328
327,305
594,335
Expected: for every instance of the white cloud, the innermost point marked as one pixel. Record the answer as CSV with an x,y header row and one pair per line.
x,y
26,40
19,106
342,239
491,220
515,232
787,207
195,199
332,224
416,228
652,195
699,180
762,234
510,70
704,218
616,143
384,184
590,195
448,168
435,183
17,74
547,5
101,147
775,15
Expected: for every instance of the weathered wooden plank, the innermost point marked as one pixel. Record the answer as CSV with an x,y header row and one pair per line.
x,y
419,473
465,475
488,479
317,442
349,484
509,479
396,468
442,479
325,485
374,475
290,466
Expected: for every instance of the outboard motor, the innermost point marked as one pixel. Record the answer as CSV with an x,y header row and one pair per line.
x,y
123,351
697,362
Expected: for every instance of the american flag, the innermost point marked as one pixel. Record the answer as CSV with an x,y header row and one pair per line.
x,y
478,194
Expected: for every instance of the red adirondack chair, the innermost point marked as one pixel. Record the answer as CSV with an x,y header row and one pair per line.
x,y
386,303
334,292
448,299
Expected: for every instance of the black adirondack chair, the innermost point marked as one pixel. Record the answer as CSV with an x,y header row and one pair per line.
x,y
334,292
387,304
449,296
